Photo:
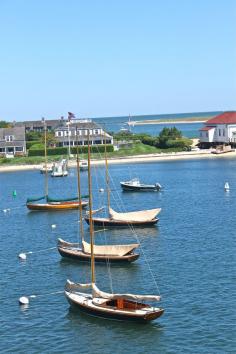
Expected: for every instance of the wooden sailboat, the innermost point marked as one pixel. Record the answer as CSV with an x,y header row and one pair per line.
x,y
135,218
52,204
102,253
126,307
111,253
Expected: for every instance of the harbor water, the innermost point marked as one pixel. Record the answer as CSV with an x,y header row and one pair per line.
x,y
190,130
189,258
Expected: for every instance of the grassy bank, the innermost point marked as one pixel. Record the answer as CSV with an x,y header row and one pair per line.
x,y
136,149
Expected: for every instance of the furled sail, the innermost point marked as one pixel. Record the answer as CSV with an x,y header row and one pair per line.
x,y
104,295
53,200
70,286
30,200
62,243
142,215
109,250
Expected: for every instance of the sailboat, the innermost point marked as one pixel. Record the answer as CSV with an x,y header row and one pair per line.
x,y
116,219
51,204
127,307
102,253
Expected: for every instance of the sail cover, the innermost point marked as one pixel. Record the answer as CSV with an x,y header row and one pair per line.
x,y
104,295
62,243
70,286
142,215
109,250
53,200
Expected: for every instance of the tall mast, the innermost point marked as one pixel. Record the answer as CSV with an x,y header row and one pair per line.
x,y
90,215
107,173
79,189
45,157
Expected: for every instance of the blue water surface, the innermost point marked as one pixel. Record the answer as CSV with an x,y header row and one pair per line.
x,y
190,255
190,130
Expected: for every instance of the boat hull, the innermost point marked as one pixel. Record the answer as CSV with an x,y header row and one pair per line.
x,y
106,222
113,314
130,188
80,256
55,206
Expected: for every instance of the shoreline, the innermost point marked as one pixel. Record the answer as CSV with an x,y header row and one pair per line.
x,y
174,156
159,122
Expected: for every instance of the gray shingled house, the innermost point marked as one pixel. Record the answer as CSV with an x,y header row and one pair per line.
x,y
77,131
12,141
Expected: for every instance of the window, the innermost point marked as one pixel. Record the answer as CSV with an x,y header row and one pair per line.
x,y
219,132
223,132
207,135
18,148
59,133
2,149
200,133
96,132
9,137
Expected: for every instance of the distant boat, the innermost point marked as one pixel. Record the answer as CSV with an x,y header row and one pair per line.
x,y
44,169
60,169
135,185
124,130
83,165
226,186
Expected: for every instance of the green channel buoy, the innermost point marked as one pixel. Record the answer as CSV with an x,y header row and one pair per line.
x,y
14,193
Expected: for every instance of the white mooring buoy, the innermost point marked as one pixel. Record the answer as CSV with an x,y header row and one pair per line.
x,y
22,256
101,190
23,300
53,226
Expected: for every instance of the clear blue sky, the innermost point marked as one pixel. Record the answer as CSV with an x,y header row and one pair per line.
x,y
110,58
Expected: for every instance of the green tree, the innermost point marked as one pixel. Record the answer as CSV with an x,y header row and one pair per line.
x,y
4,124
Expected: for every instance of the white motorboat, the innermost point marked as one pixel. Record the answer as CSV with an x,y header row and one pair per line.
x,y
60,169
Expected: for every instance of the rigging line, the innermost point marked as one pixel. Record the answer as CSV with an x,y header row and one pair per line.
x,y
108,263
137,238
134,233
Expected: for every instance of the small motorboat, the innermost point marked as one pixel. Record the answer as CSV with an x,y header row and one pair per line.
x,y
135,185
60,169
83,165
44,169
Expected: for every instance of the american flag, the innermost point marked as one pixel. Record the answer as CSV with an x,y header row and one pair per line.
x,y
70,116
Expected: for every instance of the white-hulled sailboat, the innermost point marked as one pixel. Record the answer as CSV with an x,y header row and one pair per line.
x,y
128,307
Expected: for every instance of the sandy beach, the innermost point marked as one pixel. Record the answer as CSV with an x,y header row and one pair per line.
x,y
134,159
157,121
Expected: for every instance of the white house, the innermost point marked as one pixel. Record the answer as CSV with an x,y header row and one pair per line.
x,y
219,130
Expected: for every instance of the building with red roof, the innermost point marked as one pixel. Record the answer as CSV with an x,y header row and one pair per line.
x,y
219,130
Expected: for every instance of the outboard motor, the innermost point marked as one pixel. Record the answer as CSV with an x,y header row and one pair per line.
x,y
158,186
